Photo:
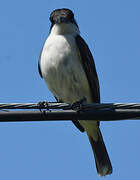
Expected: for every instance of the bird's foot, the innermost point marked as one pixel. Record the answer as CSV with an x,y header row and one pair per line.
x,y
43,105
78,104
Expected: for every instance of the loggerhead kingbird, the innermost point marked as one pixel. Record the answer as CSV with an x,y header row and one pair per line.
x,y
67,66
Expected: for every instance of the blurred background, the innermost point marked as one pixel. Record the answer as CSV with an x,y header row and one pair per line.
x,y
57,150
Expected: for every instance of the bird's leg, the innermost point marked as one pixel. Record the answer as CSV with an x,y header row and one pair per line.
x,y
78,104
43,105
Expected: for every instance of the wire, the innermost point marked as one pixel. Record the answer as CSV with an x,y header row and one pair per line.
x,y
52,111
55,105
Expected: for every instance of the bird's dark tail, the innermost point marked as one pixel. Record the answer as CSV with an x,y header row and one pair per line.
x,y
102,160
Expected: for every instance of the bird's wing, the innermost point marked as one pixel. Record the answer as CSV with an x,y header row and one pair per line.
x,y
75,122
89,68
39,68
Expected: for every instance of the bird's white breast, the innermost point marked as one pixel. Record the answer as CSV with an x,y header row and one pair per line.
x,y
62,69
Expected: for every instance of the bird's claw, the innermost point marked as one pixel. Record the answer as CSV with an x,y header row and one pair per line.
x,y
78,104
43,105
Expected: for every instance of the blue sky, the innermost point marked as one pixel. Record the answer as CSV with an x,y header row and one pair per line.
x,y
52,150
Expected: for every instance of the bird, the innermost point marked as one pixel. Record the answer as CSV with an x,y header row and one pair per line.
x,y
67,66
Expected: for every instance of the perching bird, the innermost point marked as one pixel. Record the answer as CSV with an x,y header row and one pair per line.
x,y
67,66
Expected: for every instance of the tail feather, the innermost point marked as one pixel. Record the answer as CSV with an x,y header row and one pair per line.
x,y
102,160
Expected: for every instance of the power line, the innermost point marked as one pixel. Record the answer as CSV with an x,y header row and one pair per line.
x,y
63,111
56,105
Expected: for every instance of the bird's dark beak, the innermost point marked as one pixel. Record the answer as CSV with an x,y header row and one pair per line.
x,y
61,19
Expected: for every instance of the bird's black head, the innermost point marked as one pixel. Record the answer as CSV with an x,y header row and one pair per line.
x,y
62,16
